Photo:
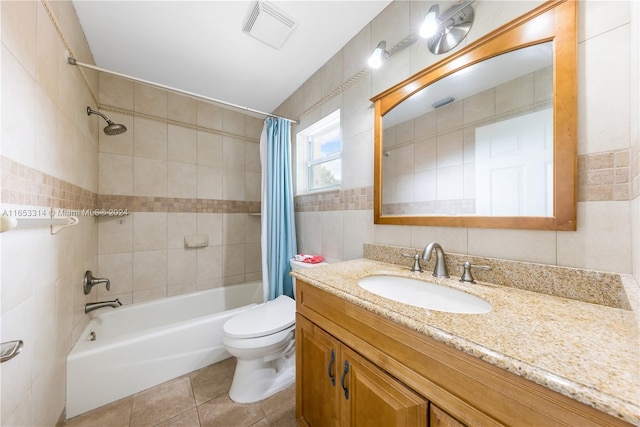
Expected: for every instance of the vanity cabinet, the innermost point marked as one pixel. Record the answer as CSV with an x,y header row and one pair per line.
x,y
400,377
339,387
439,418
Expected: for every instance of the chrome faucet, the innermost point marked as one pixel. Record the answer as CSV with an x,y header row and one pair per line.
x,y
440,268
96,305
90,281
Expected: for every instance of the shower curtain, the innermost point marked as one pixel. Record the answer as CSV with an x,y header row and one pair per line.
x,y
278,223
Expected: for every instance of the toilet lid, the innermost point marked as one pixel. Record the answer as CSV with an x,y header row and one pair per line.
x,y
265,319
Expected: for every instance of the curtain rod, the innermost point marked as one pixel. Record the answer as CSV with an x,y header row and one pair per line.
x,y
72,61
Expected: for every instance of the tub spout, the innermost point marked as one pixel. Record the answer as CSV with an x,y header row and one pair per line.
x,y
96,305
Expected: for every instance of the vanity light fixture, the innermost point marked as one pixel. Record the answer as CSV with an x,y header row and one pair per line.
x,y
430,25
378,56
446,31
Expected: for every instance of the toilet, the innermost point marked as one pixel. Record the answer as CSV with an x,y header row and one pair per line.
x,y
263,341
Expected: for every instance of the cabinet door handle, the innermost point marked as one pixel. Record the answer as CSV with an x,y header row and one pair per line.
x,y
332,361
344,374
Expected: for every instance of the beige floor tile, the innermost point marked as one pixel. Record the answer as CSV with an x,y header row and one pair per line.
x,y
173,404
285,416
262,423
161,403
282,408
116,414
223,412
275,402
213,381
187,419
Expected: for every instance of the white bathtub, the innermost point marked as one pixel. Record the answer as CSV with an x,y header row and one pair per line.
x,y
141,345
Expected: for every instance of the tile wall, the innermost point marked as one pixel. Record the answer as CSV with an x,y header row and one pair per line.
x,y
634,154
49,160
606,224
185,167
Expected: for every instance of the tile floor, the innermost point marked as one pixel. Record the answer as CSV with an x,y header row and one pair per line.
x,y
198,399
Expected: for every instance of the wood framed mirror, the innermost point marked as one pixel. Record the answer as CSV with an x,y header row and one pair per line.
x,y
487,137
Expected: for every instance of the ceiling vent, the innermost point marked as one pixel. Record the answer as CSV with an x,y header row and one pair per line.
x,y
267,23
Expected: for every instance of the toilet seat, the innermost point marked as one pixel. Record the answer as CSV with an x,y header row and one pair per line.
x,y
259,342
265,320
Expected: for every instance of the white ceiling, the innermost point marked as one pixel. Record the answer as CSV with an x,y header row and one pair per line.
x,y
199,46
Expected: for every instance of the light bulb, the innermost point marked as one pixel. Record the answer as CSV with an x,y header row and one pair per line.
x,y
375,61
376,58
430,25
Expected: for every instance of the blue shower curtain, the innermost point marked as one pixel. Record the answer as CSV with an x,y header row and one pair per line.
x,y
278,219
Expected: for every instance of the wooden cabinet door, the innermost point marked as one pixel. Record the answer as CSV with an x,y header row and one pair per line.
x,y
371,397
439,418
317,354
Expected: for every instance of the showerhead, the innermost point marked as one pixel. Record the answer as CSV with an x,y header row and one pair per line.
x,y
114,128
111,128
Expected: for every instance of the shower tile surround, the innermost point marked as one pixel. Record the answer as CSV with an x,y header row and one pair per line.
x,y
53,156
234,252
188,167
49,160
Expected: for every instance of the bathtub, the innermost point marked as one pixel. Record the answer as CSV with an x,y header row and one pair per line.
x,y
142,345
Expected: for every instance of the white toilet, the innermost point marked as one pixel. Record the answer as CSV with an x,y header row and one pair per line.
x,y
263,341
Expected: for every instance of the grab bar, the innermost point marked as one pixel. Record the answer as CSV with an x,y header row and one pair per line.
x,y
10,349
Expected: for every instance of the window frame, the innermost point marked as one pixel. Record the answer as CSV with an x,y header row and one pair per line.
x,y
305,143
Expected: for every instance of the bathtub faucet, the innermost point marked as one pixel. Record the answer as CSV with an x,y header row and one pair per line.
x,y
96,305
90,281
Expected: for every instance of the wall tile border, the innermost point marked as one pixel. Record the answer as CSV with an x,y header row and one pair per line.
x,y
125,111
174,204
23,185
604,176
601,177
337,200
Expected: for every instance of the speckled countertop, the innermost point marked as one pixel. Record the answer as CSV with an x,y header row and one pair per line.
x,y
585,351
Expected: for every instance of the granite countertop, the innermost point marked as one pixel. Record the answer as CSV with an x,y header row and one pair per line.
x,y
588,352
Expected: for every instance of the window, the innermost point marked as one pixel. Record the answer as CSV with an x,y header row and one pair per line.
x,y
319,149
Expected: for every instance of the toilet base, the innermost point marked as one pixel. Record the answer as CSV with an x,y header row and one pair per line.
x,y
255,380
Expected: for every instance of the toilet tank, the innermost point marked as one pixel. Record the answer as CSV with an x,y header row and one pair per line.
x,y
299,265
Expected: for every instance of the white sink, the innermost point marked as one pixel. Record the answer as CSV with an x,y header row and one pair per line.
x,y
424,294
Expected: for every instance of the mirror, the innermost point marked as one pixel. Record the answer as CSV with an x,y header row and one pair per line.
x,y
486,137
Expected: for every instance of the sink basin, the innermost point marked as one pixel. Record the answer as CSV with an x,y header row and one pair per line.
x,y
424,294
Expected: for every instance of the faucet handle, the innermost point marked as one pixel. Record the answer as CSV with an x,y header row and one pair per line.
x,y
90,281
467,276
416,262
